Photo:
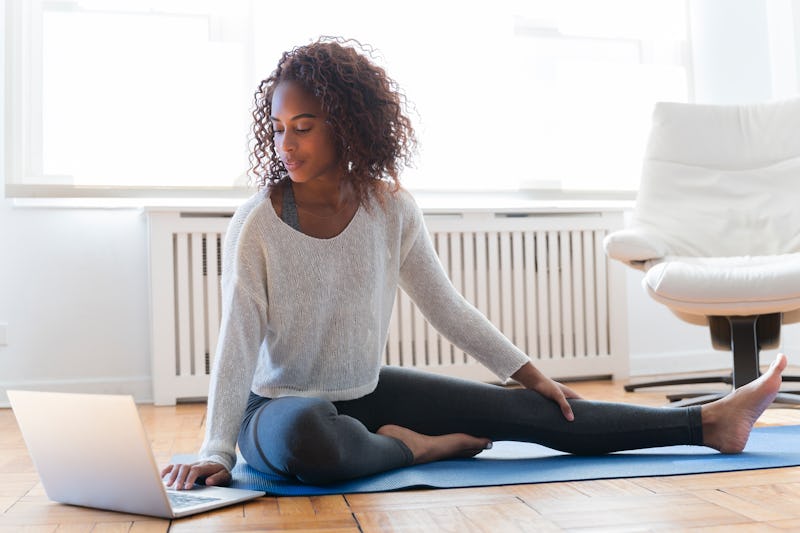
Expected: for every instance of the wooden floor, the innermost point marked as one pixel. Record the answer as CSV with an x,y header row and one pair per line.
x,y
760,500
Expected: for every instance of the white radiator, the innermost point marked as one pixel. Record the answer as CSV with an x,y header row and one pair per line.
x,y
542,278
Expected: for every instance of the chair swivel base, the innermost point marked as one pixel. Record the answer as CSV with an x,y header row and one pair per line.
x,y
726,379
680,381
744,336
700,398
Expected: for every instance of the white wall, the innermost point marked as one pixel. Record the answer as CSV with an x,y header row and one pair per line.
x,y
73,291
744,51
730,60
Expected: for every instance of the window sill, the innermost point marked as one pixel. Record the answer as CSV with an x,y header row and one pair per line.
x,y
430,201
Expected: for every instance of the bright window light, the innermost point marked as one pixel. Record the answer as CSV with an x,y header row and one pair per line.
x,y
141,98
510,94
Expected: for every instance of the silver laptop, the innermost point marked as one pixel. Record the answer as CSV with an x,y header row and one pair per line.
x,y
91,450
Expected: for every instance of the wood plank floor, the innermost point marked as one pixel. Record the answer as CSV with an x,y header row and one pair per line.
x,y
760,500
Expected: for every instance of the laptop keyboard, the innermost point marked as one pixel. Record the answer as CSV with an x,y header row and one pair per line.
x,y
179,500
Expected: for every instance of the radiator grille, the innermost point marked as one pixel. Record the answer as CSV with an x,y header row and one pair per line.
x,y
197,303
545,287
546,291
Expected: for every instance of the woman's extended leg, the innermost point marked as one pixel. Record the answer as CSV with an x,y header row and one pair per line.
x,y
428,404
438,405
418,417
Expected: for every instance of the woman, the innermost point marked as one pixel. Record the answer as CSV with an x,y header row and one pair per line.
x,y
311,266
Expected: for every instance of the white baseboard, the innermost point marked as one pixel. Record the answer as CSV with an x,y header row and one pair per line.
x,y
141,388
649,364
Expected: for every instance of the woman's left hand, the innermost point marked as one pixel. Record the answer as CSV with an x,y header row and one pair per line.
x,y
531,378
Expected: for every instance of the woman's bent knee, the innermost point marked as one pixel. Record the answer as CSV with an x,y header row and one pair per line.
x,y
297,437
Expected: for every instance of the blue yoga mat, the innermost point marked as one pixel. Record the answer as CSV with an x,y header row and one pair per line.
x,y
509,463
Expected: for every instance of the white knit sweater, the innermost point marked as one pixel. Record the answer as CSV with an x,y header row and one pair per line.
x,y
303,316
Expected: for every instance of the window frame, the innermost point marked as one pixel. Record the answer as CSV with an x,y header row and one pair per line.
x,y
22,143
22,131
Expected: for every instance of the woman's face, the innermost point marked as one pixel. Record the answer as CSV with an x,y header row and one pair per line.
x,y
303,139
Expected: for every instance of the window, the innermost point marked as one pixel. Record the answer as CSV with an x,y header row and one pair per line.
x,y
139,95
121,97
586,78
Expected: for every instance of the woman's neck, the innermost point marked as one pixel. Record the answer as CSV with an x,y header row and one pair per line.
x,y
318,218
328,196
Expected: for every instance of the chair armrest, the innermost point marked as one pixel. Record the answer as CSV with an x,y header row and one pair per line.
x,y
634,247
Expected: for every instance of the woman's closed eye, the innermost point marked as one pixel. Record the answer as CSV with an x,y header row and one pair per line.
x,y
296,130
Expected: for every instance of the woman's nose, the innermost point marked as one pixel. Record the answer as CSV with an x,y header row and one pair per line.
x,y
287,142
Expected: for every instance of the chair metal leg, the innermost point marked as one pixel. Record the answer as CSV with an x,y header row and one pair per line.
x,y
678,396
697,400
680,381
744,344
788,398
744,336
675,396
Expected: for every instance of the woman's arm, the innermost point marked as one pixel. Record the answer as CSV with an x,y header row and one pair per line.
x,y
426,282
242,330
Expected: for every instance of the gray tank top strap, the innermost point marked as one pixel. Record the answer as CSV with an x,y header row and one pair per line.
x,y
289,208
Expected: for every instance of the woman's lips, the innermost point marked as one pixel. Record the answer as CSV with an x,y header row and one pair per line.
x,y
292,164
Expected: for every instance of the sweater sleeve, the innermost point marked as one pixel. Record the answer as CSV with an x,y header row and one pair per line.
x,y
242,330
425,281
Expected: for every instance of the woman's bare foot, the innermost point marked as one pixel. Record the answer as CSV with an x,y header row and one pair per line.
x,y
727,422
427,448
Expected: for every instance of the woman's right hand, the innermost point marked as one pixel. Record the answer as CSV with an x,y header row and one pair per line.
x,y
183,477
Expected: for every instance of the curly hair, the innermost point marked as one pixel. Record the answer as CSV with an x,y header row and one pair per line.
x,y
366,113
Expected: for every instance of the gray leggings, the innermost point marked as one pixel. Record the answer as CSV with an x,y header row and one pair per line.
x,y
318,441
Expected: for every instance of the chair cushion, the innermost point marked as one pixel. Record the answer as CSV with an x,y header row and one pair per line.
x,y
722,181
698,211
750,285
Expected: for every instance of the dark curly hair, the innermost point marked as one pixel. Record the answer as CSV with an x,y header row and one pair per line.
x,y
366,112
